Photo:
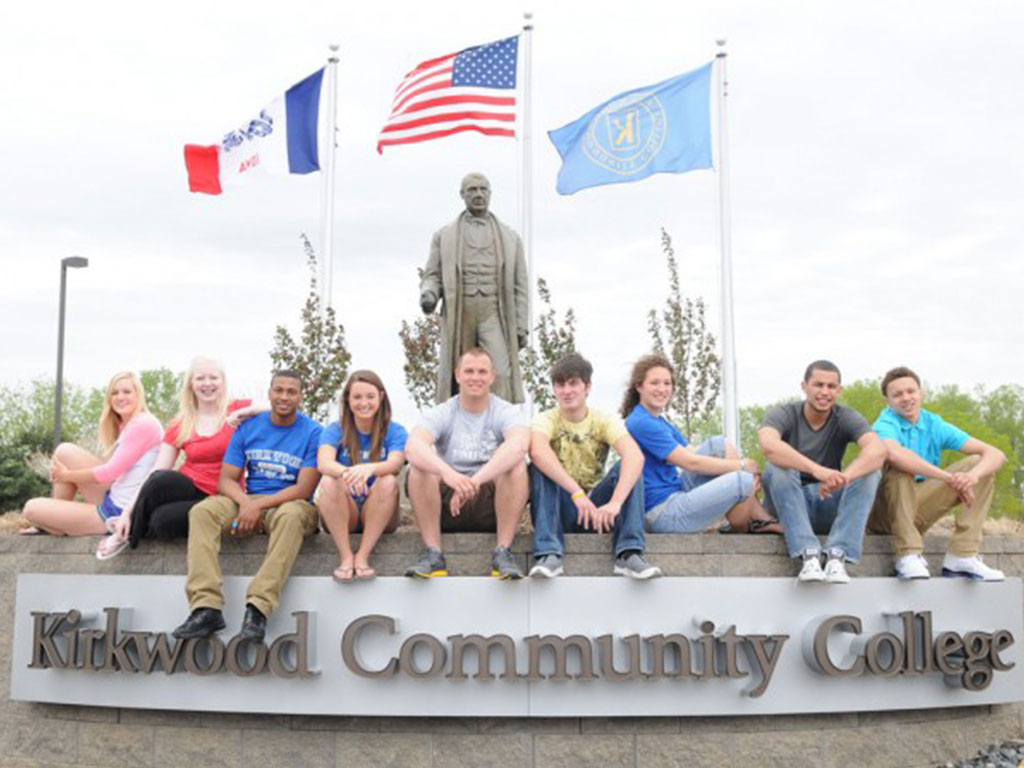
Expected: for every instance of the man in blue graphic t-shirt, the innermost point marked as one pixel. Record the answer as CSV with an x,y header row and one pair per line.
x,y
276,451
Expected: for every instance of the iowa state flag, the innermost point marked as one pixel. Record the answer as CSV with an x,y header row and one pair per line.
x,y
282,138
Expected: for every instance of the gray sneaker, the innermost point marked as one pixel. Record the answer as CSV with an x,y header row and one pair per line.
x,y
429,563
504,565
635,567
547,567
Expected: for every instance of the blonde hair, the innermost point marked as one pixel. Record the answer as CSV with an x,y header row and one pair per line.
x,y
188,411
110,422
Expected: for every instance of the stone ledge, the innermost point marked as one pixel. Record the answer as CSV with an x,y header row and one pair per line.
x,y
707,554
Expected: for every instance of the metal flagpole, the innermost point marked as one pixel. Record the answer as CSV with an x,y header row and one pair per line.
x,y
526,192
729,406
327,212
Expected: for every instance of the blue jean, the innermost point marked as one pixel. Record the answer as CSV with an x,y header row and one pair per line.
x,y
554,513
843,516
701,499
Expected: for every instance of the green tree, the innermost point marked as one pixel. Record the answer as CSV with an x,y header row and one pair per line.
x,y
26,414
163,388
320,355
553,339
1003,410
18,483
680,333
421,340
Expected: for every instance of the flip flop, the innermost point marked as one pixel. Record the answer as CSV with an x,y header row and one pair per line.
x,y
33,531
342,574
365,573
111,546
765,527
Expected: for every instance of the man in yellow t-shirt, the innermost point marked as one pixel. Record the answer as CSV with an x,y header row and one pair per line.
x,y
569,491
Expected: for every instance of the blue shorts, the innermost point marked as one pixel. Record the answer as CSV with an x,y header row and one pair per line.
x,y
107,508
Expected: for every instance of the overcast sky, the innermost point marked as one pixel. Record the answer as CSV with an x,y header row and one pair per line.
x,y
875,156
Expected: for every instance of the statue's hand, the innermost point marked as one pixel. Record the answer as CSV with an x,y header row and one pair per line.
x,y
524,338
427,303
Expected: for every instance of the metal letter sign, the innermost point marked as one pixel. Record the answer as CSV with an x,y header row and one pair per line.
x,y
566,647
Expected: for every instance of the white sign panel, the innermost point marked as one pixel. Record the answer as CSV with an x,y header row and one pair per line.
x,y
565,647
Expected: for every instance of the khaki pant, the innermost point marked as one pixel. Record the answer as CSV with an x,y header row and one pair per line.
x,y
287,525
906,509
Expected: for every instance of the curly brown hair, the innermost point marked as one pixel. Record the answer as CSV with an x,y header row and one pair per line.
x,y
636,378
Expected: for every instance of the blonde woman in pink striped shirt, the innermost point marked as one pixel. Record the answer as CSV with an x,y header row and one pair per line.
x,y
130,436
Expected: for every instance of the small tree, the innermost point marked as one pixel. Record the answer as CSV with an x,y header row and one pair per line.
x,y
680,333
553,339
421,341
320,356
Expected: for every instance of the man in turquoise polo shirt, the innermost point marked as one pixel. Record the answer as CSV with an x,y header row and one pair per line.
x,y
916,492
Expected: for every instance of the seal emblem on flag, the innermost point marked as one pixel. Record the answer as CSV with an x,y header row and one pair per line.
x,y
627,133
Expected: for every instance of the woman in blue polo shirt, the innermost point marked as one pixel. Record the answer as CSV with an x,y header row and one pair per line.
x,y
686,489
360,456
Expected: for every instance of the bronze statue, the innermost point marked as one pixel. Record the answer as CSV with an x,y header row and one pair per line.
x,y
477,268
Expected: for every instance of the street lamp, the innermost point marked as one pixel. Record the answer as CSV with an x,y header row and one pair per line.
x,y
75,262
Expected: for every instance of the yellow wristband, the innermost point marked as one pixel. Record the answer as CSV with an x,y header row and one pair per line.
x,y
578,495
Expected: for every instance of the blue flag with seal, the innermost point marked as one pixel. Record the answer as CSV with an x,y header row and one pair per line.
x,y
663,128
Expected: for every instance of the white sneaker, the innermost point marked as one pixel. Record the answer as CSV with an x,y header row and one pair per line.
x,y
912,567
969,568
835,571
811,570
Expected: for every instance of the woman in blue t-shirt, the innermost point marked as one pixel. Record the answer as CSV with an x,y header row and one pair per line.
x,y
360,456
686,489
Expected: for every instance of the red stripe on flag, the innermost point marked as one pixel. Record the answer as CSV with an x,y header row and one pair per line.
x,y
429,63
469,98
203,164
439,134
449,117
404,88
446,83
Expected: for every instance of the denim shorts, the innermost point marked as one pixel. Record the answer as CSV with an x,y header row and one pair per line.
x,y
107,509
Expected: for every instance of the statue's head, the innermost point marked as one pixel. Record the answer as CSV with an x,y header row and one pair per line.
x,y
476,193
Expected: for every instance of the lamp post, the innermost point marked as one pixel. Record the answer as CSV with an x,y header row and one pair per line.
x,y
75,262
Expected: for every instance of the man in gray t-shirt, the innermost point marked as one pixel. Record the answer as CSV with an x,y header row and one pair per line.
x,y
804,483
467,470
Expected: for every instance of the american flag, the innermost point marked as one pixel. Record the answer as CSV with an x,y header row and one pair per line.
x,y
454,93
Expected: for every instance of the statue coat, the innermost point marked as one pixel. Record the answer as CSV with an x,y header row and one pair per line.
x,y
442,282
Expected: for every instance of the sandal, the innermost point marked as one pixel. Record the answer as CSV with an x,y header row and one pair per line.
x,y
110,546
342,574
33,531
765,527
365,572
771,526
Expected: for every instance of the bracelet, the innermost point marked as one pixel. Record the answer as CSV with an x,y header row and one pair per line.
x,y
578,495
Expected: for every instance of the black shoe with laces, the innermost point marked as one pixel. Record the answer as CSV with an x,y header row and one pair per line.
x,y
202,622
254,625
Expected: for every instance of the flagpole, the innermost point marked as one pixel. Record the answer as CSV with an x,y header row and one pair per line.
x,y
526,192
729,406
327,210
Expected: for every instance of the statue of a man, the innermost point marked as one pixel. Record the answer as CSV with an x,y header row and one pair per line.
x,y
477,269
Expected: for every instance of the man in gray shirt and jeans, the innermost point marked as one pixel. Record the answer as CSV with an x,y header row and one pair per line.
x,y
804,483
467,469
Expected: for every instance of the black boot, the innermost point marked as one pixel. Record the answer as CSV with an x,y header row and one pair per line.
x,y
202,622
254,625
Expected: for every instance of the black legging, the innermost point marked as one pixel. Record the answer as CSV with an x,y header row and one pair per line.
x,y
161,508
